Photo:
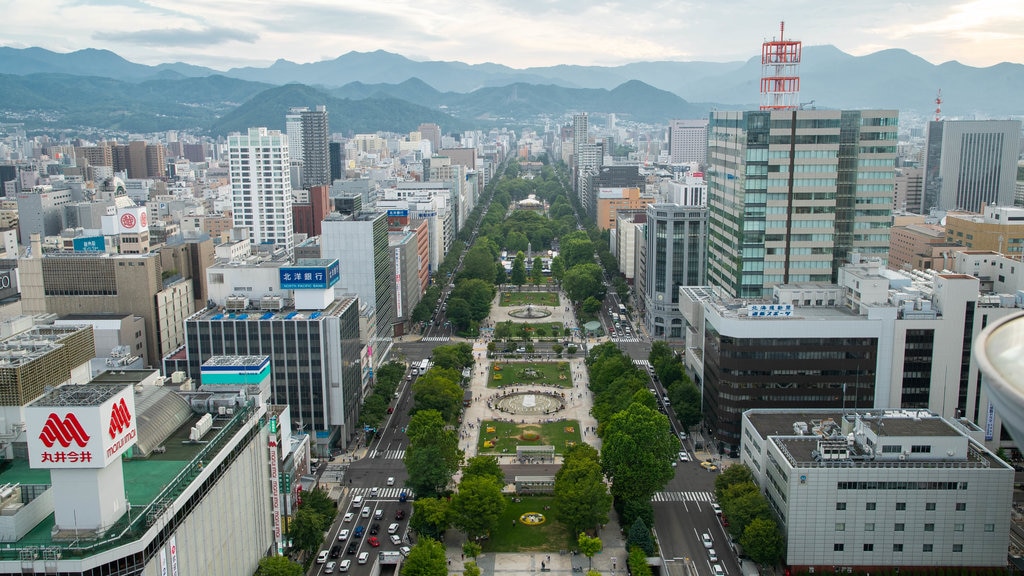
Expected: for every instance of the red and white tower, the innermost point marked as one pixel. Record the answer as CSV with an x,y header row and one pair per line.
x,y
780,78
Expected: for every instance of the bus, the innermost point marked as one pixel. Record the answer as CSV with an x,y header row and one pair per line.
x,y
423,366
615,320
622,310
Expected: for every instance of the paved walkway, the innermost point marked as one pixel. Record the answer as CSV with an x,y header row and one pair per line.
x,y
579,401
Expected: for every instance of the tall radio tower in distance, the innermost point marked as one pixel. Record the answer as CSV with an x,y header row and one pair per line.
x,y
938,105
780,73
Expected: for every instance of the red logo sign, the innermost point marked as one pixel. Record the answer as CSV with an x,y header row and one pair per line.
x,y
142,219
128,221
63,431
120,419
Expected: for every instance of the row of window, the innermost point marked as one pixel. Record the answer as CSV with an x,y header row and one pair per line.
x,y
882,485
901,527
900,506
840,547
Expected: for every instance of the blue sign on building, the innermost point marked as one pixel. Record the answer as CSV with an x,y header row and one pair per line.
x,y
310,274
397,213
89,244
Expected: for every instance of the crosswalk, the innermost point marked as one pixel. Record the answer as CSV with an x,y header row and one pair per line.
x,y
642,363
388,454
631,340
389,493
436,339
701,496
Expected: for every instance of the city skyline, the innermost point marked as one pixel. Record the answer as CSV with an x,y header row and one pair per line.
x,y
223,35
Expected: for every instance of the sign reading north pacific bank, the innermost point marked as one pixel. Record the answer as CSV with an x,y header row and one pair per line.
x,y
310,274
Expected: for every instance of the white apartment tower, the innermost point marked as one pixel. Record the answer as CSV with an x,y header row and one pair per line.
x,y
688,141
261,190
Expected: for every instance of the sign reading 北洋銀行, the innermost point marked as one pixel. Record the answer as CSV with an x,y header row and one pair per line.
x,y
308,276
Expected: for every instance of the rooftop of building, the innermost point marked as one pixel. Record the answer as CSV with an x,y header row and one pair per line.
x,y
29,345
236,361
804,435
287,311
150,483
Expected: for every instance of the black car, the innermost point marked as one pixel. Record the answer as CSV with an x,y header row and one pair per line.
x,y
399,514
352,549
374,528
335,551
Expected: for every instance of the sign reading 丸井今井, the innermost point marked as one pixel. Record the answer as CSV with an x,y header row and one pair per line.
x,y
81,436
769,310
310,274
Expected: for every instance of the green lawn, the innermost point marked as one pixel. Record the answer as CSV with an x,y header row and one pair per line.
x,y
509,329
551,536
524,298
525,373
507,435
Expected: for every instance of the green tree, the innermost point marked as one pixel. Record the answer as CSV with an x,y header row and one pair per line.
x,y
433,455
425,307
318,500
459,313
471,549
577,248
478,294
591,305
518,276
484,467
743,503
640,536
736,474
584,281
500,277
453,356
538,270
632,511
589,546
762,541
638,452
278,566
478,263
470,569
426,558
438,390
685,399
581,496
516,241
557,268
557,349
430,517
638,562
476,507
307,529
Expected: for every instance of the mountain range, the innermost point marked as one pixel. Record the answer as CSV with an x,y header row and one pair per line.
x,y
100,88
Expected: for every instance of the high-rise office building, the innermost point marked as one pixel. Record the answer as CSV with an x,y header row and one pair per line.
x,y
676,256
360,243
431,132
580,135
969,163
261,190
793,193
688,141
336,150
316,161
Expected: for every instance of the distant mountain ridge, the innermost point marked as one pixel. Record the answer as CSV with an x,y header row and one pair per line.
x,y
831,78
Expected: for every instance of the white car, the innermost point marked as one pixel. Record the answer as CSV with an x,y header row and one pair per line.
x,y
396,539
712,555
718,570
329,568
363,557
343,566
343,535
391,480
322,556
404,550
706,538
716,508
684,457
374,491
348,517
393,528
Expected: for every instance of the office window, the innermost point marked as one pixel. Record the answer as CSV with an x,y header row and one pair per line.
x,y
898,527
869,527
897,547
837,547
929,505
958,547
929,527
869,506
869,547
840,505
901,505
958,527
961,506
926,548
990,527
840,526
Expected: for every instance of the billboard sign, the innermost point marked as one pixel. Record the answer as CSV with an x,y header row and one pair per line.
x,y
310,277
770,310
132,220
8,283
398,213
89,244
81,436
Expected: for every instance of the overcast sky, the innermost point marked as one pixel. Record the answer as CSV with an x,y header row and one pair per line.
x,y
518,33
